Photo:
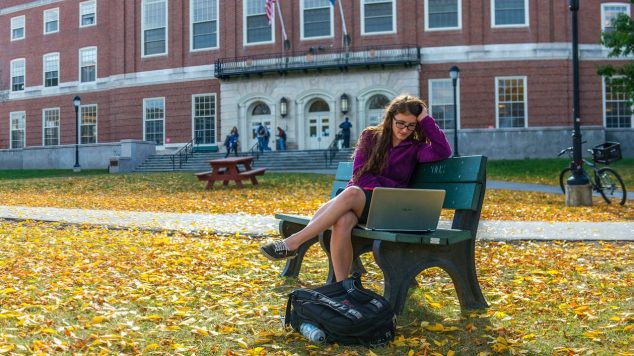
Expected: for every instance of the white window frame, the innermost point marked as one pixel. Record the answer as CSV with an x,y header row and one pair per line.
x,y
15,25
44,58
526,17
430,84
244,27
394,19
23,128
458,25
191,27
605,119
301,23
215,116
82,65
82,11
12,74
497,101
81,124
143,29
603,12
44,127
145,100
55,12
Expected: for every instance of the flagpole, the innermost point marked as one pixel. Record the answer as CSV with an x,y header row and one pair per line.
x,y
286,44
346,38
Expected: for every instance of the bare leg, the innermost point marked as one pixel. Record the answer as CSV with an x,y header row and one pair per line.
x,y
341,245
350,200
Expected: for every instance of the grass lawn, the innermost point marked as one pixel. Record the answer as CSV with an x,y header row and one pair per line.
x,y
277,192
546,171
70,289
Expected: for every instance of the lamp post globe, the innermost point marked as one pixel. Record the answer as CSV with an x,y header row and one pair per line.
x,y
454,73
76,104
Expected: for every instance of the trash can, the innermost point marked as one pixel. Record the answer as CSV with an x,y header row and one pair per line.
x,y
113,166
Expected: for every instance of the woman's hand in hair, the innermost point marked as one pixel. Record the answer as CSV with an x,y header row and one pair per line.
x,y
423,113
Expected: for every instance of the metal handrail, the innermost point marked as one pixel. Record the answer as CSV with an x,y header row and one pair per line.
x,y
332,150
183,154
254,151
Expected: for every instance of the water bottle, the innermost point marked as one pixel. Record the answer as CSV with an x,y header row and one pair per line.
x,y
312,333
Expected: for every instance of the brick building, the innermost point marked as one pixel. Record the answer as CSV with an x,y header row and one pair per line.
x,y
173,71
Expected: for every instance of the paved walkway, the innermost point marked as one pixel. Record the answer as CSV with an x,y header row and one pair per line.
x,y
262,225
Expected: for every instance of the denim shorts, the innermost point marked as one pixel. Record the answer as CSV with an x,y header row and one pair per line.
x,y
368,197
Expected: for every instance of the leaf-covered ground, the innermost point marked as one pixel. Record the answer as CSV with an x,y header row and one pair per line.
x,y
69,289
86,290
277,192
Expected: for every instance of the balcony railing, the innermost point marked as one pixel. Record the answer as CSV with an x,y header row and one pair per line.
x,y
317,59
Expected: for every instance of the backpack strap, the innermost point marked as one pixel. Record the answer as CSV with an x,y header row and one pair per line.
x,y
316,297
356,291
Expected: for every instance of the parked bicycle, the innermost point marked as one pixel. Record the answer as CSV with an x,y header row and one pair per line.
x,y
607,181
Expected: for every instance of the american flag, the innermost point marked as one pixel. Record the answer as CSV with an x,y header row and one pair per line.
x,y
269,10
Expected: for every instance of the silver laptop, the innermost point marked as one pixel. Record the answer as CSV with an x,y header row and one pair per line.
x,y
404,209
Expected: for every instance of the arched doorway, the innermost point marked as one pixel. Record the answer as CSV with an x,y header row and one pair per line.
x,y
376,109
318,129
259,113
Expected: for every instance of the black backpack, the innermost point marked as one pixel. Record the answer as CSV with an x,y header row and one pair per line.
x,y
347,313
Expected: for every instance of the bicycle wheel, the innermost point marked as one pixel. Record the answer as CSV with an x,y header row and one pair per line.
x,y
563,177
610,185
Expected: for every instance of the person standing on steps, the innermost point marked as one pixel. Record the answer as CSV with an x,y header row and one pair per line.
x,y
281,139
232,142
345,132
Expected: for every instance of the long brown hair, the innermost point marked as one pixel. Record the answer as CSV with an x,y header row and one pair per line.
x,y
375,141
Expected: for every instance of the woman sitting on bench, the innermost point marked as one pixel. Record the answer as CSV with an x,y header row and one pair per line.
x,y
385,156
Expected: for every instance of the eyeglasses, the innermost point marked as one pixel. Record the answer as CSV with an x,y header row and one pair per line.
x,y
403,125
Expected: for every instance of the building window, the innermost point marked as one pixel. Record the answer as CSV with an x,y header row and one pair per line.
x,y
51,21
18,70
154,27
618,110
509,13
204,26
51,127
443,14
88,124
88,64
377,16
316,19
376,109
441,102
154,120
51,70
204,118
510,101
609,12
17,28
257,29
18,123
87,13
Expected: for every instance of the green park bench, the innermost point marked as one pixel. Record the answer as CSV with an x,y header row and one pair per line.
x,y
402,256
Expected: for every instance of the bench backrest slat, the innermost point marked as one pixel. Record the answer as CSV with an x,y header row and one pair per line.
x,y
458,195
463,178
467,169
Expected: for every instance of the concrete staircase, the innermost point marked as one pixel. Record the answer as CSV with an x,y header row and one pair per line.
x,y
309,160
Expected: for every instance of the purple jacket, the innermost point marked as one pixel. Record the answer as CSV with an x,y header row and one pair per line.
x,y
402,159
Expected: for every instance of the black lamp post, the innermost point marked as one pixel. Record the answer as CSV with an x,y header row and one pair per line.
x,y
345,103
283,107
76,103
454,73
578,175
